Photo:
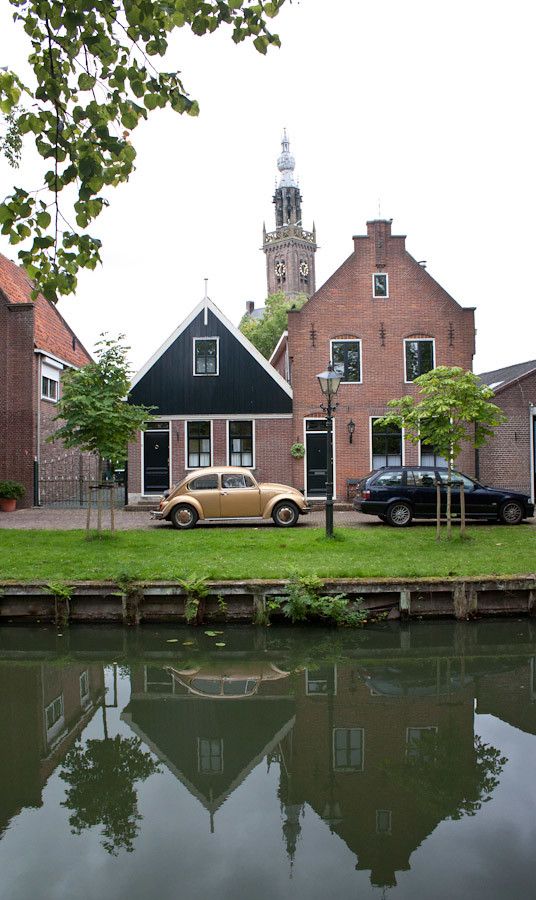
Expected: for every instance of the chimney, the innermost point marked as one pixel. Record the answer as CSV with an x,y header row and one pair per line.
x,y
250,306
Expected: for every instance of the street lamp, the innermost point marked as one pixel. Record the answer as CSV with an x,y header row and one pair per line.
x,y
329,382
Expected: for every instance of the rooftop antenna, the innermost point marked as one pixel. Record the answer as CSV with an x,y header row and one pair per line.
x,y
205,318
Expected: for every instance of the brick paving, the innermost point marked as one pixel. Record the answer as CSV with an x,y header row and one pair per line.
x,y
126,520
70,519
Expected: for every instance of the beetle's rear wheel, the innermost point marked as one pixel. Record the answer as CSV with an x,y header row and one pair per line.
x,y
183,516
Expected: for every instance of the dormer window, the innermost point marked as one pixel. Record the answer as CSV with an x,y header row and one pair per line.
x,y
380,285
206,356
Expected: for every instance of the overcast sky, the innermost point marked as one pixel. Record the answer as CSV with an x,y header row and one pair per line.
x,y
421,110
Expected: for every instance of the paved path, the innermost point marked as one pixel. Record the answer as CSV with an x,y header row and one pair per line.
x,y
70,519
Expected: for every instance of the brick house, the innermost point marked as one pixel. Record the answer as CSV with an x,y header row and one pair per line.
x,y
36,345
383,320
509,459
216,401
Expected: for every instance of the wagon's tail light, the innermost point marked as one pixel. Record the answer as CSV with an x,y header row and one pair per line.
x,y
365,495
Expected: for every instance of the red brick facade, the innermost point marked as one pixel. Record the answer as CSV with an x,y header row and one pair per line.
x,y
417,307
509,459
272,459
30,332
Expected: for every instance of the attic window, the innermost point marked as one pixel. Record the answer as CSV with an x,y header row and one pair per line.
x,y
380,285
206,361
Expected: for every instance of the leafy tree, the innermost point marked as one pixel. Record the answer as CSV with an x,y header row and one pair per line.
x,y
446,780
101,775
264,333
94,81
452,408
94,412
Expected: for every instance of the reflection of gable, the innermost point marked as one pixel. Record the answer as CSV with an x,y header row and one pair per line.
x,y
244,745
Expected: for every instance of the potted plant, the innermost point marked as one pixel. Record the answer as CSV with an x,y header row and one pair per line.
x,y
10,492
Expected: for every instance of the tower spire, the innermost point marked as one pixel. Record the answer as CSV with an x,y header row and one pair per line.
x,y
289,249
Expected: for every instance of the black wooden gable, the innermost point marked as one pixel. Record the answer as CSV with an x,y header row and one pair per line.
x,y
244,384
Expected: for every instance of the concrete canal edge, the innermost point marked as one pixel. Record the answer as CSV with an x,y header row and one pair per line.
x,y
136,602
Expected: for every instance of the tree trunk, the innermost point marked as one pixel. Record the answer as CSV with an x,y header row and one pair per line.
x,y
449,500
438,509
462,510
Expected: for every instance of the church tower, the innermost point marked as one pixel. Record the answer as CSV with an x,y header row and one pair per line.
x,y
290,250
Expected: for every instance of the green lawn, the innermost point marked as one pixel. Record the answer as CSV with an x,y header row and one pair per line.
x,y
231,553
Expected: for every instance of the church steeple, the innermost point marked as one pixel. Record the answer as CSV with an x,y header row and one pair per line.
x,y
290,250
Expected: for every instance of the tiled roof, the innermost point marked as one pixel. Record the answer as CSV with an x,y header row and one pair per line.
x,y
499,378
51,331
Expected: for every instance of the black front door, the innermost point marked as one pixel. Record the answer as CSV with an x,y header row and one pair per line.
x,y
317,463
155,462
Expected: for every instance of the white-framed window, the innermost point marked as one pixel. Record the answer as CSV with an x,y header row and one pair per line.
x,y
84,687
346,359
383,821
209,755
419,357
420,742
54,718
206,356
50,382
241,444
348,749
380,285
198,445
386,443
158,680
321,681
429,457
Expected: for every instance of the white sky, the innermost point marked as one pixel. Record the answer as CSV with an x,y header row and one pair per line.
x,y
424,107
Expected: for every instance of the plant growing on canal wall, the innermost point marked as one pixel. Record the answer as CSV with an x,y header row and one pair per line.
x,y
304,601
62,594
194,605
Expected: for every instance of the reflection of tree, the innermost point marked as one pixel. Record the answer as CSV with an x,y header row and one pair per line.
x,y
101,777
444,780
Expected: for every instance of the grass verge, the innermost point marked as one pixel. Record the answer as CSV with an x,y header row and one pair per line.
x,y
237,553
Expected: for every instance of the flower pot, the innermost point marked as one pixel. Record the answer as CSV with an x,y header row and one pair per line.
x,y
7,504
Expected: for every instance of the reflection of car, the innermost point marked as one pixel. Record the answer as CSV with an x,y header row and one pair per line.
x,y
240,680
397,494
227,492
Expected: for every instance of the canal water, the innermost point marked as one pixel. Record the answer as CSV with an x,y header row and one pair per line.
x,y
198,763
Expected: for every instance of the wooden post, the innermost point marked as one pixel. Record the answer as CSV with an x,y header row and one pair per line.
x,y
462,509
438,509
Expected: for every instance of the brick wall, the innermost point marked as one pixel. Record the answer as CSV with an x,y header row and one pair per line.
x,y
17,419
417,307
506,460
273,462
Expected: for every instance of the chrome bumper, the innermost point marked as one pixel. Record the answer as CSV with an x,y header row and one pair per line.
x,y
156,514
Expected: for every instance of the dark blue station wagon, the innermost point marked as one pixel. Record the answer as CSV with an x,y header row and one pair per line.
x,y
398,494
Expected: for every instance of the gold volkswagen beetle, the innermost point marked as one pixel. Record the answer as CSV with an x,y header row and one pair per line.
x,y
228,492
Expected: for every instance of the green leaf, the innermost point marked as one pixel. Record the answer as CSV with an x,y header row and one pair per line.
x,y
86,82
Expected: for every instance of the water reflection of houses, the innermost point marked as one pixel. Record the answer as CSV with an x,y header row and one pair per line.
x,y
510,695
211,727
355,731
43,709
381,752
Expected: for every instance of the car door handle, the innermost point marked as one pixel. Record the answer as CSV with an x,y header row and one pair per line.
x,y
223,493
